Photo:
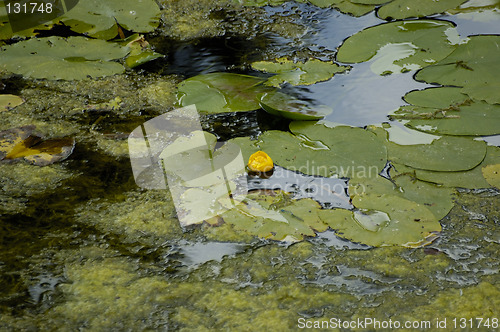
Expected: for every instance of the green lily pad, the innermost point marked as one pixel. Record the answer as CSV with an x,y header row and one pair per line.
x,y
293,220
318,150
384,220
221,92
63,58
472,65
298,73
448,111
438,199
398,46
9,101
448,153
471,179
401,9
99,19
140,51
280,104
344,6
492,175
345,151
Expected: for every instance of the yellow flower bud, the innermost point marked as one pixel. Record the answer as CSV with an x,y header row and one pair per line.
x,y
260,162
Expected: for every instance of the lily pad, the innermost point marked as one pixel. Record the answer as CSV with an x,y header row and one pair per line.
x,y
298,73
448,111
345,151
280,104
438,199
63,58
471,179
99,19
401,9
274,217
140,51
384,220
221,92
472,65
418,43
345,6
492,175
9,101
448,153
22,143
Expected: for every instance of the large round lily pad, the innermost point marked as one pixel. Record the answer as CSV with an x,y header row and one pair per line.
x,y
346,151
448,111
221,92
448,153
412,45
473,65
298,73
384,220
281,104
63,58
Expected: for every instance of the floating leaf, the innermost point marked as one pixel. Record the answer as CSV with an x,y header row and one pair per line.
x,y
274,217
399,46
280,104
221,92
9,101
448,153
384,220
345,151
344,6
492,175
471,179
99,19
401,9
63,58
439,200
473,66
140,51
298,73
448,111
20,143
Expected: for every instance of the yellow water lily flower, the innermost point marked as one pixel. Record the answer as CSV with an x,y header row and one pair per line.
x,y
260,162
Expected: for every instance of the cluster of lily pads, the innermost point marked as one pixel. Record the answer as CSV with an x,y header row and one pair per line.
x,y
386,9
88,56
399,193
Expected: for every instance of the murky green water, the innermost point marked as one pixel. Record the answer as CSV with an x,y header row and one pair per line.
x,y
83,248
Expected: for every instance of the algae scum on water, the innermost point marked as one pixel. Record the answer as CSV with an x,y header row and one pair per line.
x,y
381,119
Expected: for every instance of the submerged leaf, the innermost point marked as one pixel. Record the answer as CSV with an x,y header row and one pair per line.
x,y
63,58
221,92
20,143
280,104
9,101
398,46
298,73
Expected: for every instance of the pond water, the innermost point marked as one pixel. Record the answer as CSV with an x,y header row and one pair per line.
x,y
82,247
